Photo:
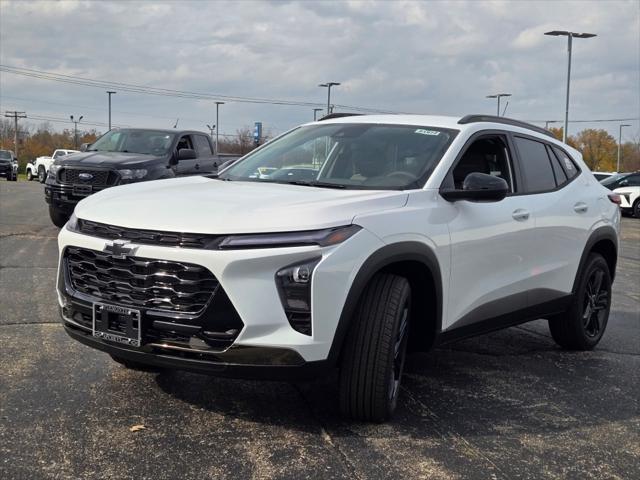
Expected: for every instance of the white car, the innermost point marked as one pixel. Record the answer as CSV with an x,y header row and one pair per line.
x,y
414,231
629,199
40,167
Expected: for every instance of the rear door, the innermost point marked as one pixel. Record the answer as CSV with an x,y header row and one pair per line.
x,y
564,203
491,242
206,162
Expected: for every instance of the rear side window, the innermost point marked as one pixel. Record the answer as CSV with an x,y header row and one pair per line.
x,y
567,164
203,148
558,171
536,166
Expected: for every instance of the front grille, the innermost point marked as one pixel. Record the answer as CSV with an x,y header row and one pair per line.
x,y
98,177
148,237
140,282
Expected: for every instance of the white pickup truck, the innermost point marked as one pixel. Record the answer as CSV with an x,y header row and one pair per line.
x,y
40,166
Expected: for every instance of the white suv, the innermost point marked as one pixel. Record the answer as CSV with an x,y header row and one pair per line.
x,y
340,245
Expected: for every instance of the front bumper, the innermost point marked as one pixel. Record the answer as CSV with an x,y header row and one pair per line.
x,y
248,279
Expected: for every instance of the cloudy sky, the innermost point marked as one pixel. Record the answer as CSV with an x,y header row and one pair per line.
x,y
436,57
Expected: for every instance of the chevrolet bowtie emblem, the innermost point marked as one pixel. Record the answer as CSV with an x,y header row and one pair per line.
x,y
119,249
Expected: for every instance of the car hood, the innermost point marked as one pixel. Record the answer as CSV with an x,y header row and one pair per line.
x,y
206,205
107,159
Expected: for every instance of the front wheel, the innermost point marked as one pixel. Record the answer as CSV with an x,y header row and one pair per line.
x,y
375,350
58,217
636,208
581,327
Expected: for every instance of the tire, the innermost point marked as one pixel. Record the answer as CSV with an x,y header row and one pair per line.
x,y
29,176
58,217
581,327
636,208
42,174
375,350
131,365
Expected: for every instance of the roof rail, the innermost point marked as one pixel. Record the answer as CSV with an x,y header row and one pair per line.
x,y
338,115
475,118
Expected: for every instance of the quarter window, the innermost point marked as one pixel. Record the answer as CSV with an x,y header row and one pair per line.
x,y
567,164
536,166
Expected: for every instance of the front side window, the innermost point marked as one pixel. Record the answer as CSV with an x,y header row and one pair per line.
x,y
149,142
367,156
536,165
488,155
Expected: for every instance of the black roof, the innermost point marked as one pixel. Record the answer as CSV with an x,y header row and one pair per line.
x,y
164,130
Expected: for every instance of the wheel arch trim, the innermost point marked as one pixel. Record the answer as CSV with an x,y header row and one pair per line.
x,y
605,233
377,261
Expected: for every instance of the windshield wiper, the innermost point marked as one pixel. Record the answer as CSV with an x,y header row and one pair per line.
x,y
305,183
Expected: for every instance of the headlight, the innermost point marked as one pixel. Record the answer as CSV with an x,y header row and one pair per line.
x,y
72,223
135,174
53,169
323,238
294,287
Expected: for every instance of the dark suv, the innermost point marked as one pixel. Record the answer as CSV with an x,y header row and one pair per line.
x,y
125,156
8,165
622,180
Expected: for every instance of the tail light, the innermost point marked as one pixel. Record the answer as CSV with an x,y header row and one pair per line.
x,y
615,198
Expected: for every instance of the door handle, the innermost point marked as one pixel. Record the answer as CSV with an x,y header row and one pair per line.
x,y
580,207
520,215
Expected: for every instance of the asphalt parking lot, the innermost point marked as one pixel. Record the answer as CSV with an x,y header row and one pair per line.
x,y
506,405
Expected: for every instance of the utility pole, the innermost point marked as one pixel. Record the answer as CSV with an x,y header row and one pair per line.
x,y
570,36
15,115
620,146
328,86
315,113
217,123
110,92
75,129
499,96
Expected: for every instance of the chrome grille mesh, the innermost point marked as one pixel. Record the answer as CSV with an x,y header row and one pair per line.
x,y
140,282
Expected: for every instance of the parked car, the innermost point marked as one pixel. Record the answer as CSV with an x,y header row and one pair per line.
x,y
629,199
8,165
602,175
126,156
415,231
622,180
40,167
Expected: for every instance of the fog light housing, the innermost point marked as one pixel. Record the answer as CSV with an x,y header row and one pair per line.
x,y
294,287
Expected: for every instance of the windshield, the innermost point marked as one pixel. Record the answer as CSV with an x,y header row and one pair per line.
x,y
149,142
340,155
612,179
4,155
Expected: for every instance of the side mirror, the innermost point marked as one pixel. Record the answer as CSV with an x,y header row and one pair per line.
x,y
186,154
479,187
84,147
624,182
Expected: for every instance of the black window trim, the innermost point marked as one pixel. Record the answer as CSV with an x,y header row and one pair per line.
x,y
516,177
518,159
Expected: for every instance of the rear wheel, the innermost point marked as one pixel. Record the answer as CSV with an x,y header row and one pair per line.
x,y
131,365
29,175
581,327
42,174
375,350
636,208
58,217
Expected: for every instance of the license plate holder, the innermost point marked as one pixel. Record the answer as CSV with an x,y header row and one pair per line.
x,y
117,324
81,190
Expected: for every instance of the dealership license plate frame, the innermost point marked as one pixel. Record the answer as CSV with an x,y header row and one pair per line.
x,y
130,317
81,190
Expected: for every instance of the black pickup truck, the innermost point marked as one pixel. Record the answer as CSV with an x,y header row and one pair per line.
x,y
124,156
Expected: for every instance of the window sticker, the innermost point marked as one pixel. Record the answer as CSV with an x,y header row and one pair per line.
x,y
427,132
568,164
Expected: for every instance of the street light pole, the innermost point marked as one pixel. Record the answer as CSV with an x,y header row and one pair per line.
x,y
570,36
315,113
498,96
75,129
620,146
110,92
211,129
328,86
217,123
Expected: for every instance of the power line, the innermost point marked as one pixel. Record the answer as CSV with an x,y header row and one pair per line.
x,y
586,121
165,92
15,115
